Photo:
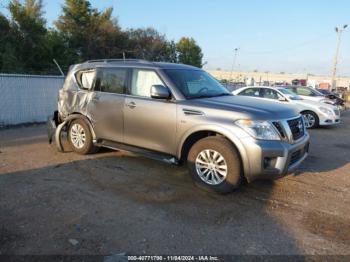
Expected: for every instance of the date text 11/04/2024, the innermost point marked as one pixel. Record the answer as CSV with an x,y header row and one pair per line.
x,y
173,258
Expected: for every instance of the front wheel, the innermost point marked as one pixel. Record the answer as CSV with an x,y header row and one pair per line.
x,y
214,163
311,119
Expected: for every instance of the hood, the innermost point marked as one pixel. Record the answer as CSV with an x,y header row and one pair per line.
x,y
314,104
252,108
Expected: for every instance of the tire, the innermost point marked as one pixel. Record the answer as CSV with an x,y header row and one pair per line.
x,y
80,138
213,176
311,119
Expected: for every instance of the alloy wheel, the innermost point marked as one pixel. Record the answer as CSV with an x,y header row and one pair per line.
x,y
309,120
77,136
211,167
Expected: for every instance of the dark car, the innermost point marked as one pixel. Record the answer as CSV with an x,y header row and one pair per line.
x,y
332,96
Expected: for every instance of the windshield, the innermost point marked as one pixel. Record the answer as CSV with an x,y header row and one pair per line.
x,y
324,91
315,92
289,94
196,83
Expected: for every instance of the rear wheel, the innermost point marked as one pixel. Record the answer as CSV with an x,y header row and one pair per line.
x,y
311,119
214,163
80,138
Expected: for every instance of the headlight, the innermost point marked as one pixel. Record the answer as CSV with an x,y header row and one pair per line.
x,y
326,111
327,101
259,129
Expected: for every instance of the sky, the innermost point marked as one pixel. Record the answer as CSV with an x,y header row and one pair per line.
x,y
291,36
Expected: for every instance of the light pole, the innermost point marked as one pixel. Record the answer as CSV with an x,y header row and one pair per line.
x,y
339,31
234,62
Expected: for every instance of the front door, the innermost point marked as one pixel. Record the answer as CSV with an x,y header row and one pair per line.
x,y
106,107
149,123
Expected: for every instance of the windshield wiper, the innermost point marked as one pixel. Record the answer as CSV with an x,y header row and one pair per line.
x,y
209,96
201,96
223,94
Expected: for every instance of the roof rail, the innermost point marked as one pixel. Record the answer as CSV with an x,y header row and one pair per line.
x,y
117,60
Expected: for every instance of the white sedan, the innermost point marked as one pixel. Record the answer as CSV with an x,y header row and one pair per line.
x,y
315,113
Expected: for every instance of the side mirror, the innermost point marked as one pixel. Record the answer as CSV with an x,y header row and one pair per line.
x,y
282,99
160,92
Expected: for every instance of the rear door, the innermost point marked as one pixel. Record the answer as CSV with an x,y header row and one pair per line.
x,y
106,107
149,123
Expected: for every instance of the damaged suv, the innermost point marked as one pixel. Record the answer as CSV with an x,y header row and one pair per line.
x,y
178,114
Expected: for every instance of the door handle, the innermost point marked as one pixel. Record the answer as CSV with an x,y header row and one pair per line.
x,y
131,105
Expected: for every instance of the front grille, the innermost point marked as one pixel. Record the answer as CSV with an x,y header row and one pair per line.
x,y
279,128
296,127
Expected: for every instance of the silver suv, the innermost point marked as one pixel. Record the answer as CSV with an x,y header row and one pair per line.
x,y
179,114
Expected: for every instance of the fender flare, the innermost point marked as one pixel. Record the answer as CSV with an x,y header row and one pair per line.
x,y
59,128
225,132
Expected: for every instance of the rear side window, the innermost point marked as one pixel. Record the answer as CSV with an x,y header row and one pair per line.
x,y
250,92
142,81
112,80
85,78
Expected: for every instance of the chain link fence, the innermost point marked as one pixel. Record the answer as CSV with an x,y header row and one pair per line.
x,y
27,98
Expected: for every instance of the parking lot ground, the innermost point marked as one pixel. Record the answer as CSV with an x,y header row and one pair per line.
x,y
114,202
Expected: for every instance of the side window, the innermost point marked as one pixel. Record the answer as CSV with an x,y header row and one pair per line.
x,y
112,80
85,78
251,92
142,81
304,91
270,94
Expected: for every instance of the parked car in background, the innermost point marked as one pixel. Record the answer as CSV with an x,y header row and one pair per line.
x,y
309,93
299,82
315,113
178,114
333,96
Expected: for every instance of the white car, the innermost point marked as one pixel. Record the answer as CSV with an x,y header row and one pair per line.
x,y
315,113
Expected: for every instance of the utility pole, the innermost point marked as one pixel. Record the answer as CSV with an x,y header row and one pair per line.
x,y
334,72
234,62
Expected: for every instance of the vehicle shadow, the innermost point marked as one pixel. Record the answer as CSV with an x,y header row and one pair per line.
x,y
329,148
133,205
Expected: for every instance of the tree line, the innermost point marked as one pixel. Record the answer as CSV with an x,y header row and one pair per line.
x,y
80,33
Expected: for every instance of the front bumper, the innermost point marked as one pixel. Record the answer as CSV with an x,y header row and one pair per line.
x,y
274,159
328,120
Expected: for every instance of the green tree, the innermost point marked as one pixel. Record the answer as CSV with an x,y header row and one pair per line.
x,y
74,25
59,50
29,28
9,61
148,44
171,53
81,32
89,32
189,52
106,38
